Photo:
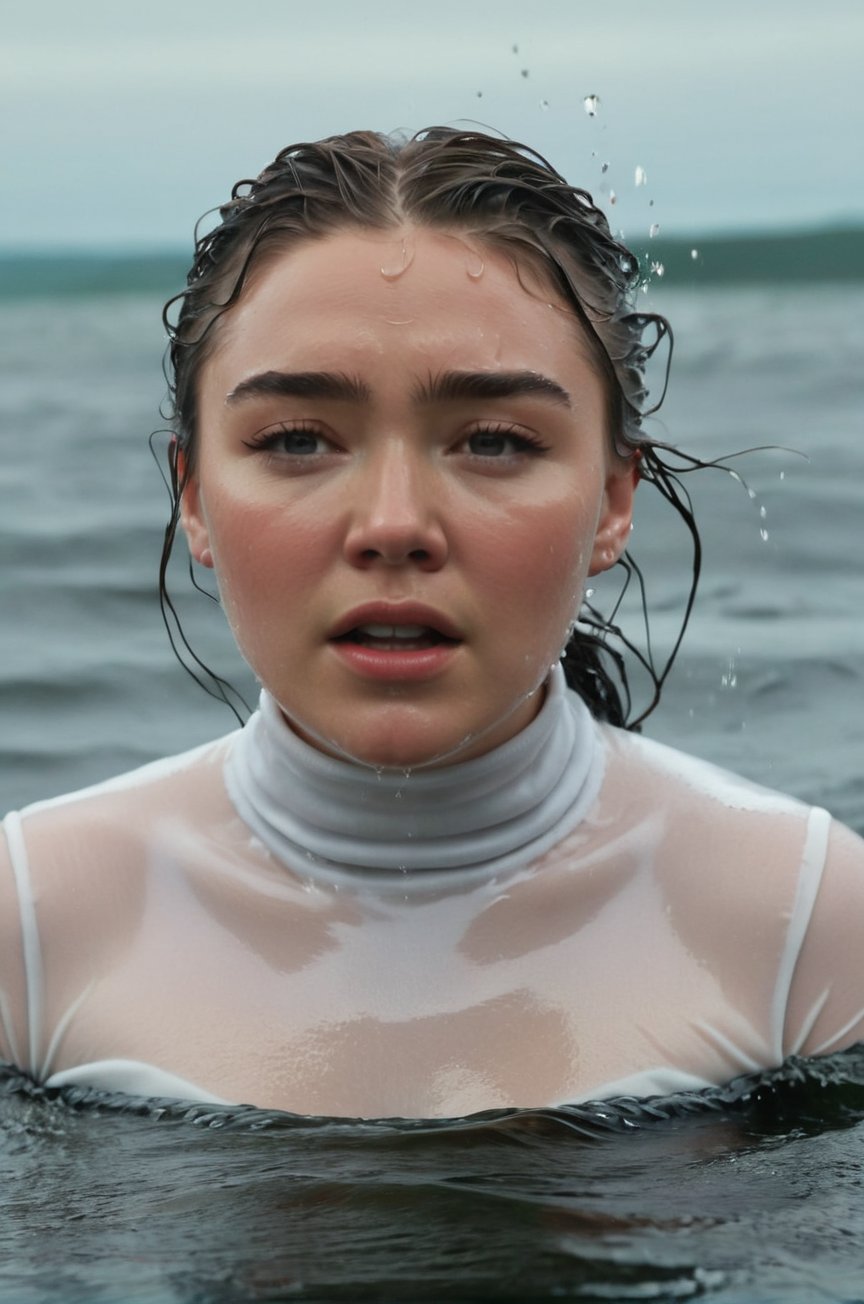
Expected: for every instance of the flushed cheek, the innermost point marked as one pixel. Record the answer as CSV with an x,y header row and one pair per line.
x,y
538,566
267,563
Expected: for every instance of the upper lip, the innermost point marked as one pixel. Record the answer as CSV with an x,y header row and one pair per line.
x,y
395,613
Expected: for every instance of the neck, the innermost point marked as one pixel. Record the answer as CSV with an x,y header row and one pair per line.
x,y
329,819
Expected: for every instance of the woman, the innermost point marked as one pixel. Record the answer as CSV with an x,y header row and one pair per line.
x,y
426,878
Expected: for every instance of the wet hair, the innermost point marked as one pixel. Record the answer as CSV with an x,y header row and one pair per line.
x,y
505,196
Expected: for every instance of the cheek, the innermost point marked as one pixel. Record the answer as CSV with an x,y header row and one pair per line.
x,y
263,552
536,562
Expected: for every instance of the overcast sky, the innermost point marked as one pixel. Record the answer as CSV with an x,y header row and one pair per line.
x,y
122,120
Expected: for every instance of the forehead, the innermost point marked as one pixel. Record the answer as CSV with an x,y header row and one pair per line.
x,y
361,289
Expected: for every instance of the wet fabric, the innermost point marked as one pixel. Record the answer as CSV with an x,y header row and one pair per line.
x,y
577,915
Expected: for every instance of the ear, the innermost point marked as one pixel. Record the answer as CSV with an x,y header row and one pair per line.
x,y
616,514
192,515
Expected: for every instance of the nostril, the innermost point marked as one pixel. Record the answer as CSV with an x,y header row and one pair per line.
x,y
421,555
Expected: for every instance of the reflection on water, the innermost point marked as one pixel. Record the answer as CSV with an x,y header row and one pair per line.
x,y
750,1194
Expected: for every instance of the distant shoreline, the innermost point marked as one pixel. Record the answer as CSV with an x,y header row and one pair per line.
x,y
833,254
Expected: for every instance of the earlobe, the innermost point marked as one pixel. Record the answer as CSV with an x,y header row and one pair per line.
x,y
192,515
613,529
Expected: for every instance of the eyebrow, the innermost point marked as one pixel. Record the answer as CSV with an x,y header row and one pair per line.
x,y
449,386
301,384
454,385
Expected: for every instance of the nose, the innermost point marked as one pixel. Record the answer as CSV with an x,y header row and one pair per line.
x,y
396,516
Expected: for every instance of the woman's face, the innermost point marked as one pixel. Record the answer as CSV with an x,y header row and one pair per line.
x,y
403,479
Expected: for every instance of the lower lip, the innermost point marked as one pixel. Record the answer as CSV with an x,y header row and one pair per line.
x,y
396,665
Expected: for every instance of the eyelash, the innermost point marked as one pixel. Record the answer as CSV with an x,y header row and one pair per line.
x,y
527,445
266,440
522,444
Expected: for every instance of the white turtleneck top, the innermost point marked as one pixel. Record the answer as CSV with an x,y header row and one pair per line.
x,y
578,914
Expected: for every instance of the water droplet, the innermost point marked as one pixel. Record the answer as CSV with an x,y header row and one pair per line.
x,y
658,269
751,493
650,203
763,535
654,229
544,105
613,198
524,72
515,49
694,254
401,262
604,167
640,177
479,95
592,104
782,475
398,794
762,513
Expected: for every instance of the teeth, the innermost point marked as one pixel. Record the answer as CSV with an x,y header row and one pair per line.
x,y
394,631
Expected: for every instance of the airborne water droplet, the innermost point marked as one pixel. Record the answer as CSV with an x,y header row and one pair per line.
x,y
479,95
604,167
654,229
613,198
592,104
658,269
763,535
524,72
641,176
515,49
694,254
544,105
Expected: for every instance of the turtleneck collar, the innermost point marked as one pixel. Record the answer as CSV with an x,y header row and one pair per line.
x,y
334,820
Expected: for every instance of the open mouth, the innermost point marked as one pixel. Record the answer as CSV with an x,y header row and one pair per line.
x,y
395,638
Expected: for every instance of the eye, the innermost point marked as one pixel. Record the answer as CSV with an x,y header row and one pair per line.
x,y
292,441
490,443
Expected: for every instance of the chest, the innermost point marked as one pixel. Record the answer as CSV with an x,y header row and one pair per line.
x,y
323,1004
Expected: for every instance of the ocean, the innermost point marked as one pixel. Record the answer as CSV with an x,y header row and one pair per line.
x,y
748,1198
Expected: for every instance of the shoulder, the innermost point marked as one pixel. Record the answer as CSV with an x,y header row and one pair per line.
x,y
134,798
718,845
698,781
97,839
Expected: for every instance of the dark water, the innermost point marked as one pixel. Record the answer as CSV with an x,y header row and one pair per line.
x,y
748,1195
732,1199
